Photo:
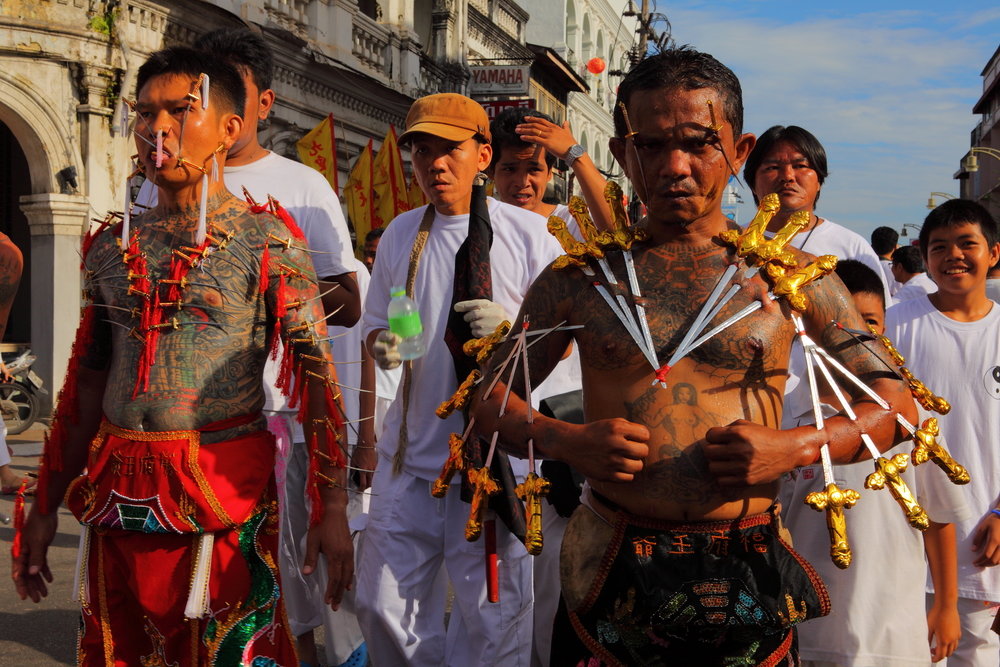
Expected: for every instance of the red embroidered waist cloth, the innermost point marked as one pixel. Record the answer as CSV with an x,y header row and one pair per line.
x,y
169,482
713,593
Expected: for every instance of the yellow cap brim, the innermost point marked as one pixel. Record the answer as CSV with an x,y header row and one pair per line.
x,y
443,130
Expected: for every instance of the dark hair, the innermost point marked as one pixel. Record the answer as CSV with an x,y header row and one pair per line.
x,y
504,136
225,83
953,213
243,48
682,68
803,139
684,385
374,234
884,240
908,257
859,278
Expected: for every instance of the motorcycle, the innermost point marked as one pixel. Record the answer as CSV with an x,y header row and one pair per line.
x,y
20,404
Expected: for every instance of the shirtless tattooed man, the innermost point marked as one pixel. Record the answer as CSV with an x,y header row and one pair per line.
x,y
178,502
675,557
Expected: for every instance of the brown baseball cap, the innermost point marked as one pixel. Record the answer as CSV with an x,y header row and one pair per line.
x,y
447,115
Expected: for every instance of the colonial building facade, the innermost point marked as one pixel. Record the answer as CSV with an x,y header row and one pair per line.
x,y
64,64
580,30
982,185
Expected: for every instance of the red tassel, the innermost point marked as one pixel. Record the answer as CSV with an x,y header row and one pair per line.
x,y
336,454
265,263
15,548
280,309
303,399
284,382
286,218
275,341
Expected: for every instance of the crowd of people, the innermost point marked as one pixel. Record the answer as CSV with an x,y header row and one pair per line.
x,y
252,456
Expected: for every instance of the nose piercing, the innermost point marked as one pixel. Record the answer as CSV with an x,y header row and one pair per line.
x,y
159,148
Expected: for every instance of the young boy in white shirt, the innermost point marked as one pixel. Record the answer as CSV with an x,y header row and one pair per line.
x,y
951,341
860,630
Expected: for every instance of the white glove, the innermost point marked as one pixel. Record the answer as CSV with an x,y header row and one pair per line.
x,y
482,314
386,350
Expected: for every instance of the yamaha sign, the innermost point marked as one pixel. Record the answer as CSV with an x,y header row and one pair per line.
x,y
499,81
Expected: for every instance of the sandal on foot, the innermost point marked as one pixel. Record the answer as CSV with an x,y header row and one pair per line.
x,y
358,659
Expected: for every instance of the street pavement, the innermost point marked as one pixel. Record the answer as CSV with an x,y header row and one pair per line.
x,y
44,634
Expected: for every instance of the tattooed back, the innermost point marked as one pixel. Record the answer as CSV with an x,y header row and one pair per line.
x,y
212,342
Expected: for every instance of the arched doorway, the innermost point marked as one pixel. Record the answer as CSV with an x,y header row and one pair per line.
x,y
15,182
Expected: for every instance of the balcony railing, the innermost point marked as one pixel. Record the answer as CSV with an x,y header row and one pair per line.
x,y
371,40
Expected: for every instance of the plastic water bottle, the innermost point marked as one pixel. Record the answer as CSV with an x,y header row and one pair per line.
x,y
404,321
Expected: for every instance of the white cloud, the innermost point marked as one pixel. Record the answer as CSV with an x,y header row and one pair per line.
x,y
889,94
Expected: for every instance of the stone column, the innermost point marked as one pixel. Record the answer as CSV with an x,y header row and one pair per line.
x,y
56,222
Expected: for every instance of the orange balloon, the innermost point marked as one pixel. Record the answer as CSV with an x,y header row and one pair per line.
x,y
595,65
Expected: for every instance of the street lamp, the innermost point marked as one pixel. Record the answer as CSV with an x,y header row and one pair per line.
x,y
902,232
930,202
971,164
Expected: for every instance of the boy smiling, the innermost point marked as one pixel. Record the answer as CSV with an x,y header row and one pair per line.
x,y
950,341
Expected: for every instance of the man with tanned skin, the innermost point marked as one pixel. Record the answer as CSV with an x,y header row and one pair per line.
x,y
691,568
164,410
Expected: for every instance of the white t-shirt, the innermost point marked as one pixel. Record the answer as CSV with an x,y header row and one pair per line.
x,y
887,276
346,350
521,249
917,286
828,238
878,617
960,361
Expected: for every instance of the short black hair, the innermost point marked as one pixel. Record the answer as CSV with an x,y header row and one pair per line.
x,y
683,68
804,140
504,136
859,278
226,86
884,240
374,234
243,48
953,213
908,257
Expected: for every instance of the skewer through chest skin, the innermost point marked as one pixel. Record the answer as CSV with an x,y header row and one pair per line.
x,y
206,324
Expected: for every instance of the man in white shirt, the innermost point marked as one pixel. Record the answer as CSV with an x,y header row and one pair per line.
x,y
401,584
315,207
908,270
885,240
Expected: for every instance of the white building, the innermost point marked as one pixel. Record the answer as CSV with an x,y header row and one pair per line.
x,y
63,64
580,30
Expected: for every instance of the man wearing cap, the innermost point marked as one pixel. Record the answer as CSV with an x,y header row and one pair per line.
x,y
401,585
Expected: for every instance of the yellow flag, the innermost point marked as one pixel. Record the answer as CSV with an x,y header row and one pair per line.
x,y
359,196
415,195
318,149
389,183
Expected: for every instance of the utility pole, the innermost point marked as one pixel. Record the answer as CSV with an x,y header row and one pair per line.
x,y
643,28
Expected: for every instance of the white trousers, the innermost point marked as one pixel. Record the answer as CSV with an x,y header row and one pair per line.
x,y
304,596
979,646
546,584
401,584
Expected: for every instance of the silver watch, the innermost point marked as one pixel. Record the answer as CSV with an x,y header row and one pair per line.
x,y
575,152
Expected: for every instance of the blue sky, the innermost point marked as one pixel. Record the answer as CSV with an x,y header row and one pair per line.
x,y
889,93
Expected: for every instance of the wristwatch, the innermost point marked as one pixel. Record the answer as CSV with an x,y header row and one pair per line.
x,y
575,151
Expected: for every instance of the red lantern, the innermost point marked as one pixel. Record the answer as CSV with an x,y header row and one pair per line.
x,y
595,65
